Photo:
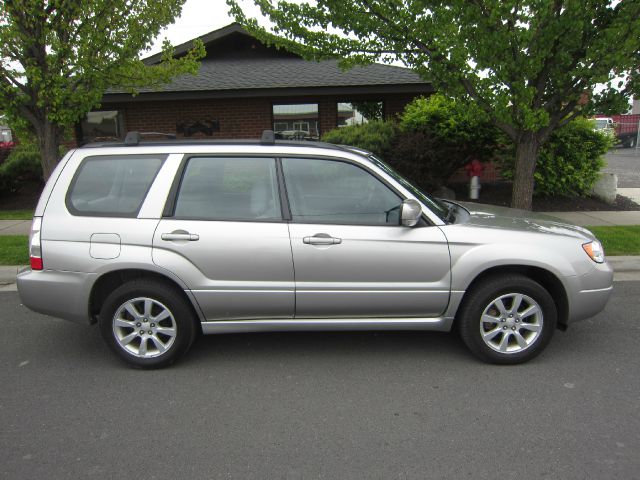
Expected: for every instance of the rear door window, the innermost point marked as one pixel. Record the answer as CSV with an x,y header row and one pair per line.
x,y
219,188
113,186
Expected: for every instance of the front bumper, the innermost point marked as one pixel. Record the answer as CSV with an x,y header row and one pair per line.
x,y
59,294
590,292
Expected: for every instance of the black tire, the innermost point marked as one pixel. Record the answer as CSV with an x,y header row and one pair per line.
x,y
511,338
165,321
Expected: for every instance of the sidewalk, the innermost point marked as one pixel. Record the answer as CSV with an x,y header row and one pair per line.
x,y
15,227
597,219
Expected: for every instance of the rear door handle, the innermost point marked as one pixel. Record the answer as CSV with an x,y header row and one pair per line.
x,y
180,235
321,239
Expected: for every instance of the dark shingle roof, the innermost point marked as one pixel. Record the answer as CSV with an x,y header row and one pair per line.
x,y
229,70
276,73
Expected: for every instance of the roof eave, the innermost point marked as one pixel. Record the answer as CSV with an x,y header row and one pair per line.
x,y
335,91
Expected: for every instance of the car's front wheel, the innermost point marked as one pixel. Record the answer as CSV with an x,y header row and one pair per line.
x,y
507,319
147,324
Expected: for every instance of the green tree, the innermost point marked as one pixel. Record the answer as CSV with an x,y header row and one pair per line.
x,y
59,56
530,64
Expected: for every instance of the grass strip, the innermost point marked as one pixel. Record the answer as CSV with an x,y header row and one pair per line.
x,y
14,250
16,214
619,240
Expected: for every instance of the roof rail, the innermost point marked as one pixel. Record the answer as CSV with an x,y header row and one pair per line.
x,y
133,138
268,137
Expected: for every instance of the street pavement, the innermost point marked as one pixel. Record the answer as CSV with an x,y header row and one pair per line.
x,y
324,405
625,163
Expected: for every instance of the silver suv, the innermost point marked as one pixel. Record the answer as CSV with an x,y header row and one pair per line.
x,y
159,241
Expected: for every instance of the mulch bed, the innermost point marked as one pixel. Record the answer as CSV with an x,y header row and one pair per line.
x,y
26,198
500,194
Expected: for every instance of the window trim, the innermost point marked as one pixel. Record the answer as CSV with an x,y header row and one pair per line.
x,y
88,213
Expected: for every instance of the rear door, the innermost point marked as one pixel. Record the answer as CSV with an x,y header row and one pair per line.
x,y
224,235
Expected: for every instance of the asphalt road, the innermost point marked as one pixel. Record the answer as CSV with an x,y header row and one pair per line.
x,y
625,162
334,406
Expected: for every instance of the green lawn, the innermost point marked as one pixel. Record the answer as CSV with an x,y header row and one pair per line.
x,y
623,240
16,214
14,250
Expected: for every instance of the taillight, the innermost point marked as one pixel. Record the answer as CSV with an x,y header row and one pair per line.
x,y
35,250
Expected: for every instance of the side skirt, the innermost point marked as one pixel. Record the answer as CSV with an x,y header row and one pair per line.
x,y
440,324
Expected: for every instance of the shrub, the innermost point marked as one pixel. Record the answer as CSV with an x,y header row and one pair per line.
x,y
376,136
569,162
439,135
22,165
425,159
434,138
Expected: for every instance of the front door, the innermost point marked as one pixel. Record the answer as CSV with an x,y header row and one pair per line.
x,y
351,256
225,238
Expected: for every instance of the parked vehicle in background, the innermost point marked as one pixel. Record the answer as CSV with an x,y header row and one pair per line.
x,y
160,241
605,126
625,127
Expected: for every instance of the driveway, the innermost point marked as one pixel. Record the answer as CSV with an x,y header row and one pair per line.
x,y
625,162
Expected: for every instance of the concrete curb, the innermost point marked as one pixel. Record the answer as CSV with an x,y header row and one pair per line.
x,y
8,273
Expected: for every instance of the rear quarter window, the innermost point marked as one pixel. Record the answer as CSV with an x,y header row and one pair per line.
x,y
113,185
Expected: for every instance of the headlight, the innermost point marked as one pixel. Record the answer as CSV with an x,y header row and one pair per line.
x,y
594,250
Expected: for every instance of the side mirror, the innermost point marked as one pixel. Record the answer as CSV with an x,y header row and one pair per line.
x,y
410,212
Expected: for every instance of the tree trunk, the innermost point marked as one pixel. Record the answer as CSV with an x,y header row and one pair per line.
x,y
49,140
527,148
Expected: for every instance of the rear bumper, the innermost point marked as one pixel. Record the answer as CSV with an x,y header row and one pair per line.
x,y
59,294
590,292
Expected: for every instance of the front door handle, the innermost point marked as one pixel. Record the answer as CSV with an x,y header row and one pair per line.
x,y
180,235
321,239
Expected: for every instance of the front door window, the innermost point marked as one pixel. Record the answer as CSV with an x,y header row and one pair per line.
x,y
325,191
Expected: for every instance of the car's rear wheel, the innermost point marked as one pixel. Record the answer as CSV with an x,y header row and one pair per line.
x,y
507,319
147,324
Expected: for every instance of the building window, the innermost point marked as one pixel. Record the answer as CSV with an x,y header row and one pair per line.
x,y
357,113
100,126
296,121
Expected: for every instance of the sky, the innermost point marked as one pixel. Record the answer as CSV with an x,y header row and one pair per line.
x,y
199,17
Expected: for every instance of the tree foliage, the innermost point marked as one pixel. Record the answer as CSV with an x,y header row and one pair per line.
x,y
609,102
529,64
439,135
59,57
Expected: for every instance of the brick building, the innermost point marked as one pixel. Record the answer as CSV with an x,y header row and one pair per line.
x,y
244,87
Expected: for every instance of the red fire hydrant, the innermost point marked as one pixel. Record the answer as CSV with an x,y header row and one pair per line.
x,y
474,170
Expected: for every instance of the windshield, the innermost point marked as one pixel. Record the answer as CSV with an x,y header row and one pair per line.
x,y
435,205
602,123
